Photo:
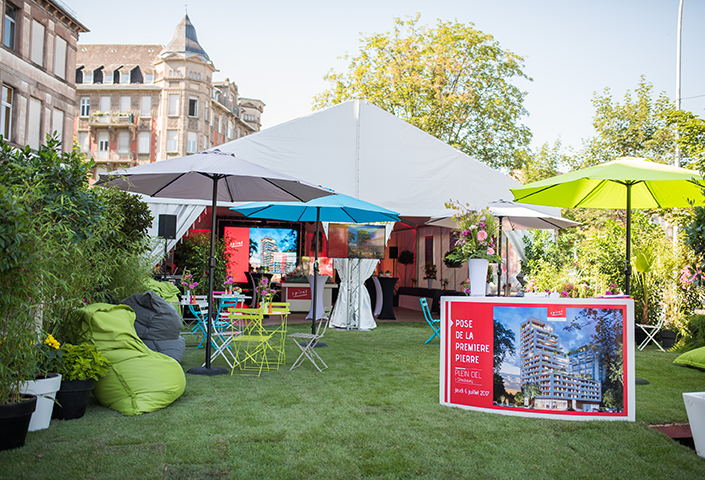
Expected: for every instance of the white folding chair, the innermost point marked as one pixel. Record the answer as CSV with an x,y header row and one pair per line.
x,y
651,331
309,342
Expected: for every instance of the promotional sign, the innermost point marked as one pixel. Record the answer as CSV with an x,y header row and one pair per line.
x,y
569,359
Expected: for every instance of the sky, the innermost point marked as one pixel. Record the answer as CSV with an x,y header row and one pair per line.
x,y
279,51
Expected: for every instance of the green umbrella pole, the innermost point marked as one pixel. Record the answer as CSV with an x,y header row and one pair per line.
x,y
627,261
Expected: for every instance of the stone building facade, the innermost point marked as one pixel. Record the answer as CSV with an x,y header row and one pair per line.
x,y
37,55
145,103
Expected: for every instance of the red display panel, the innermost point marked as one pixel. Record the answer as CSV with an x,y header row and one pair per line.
x,y
237,252
570,359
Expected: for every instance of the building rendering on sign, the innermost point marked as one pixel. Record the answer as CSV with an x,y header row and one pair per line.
x,y
37,55
145,103
563,381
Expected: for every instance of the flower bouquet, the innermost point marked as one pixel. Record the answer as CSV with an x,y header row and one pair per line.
x,y
265,294
477,234
188,284
230,287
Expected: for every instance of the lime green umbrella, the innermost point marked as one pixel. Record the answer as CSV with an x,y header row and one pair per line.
x,y
625,183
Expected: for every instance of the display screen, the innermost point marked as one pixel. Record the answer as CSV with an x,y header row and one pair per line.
x,y
271,250
356,241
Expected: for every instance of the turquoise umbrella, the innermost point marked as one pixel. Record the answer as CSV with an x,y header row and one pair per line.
x,y
337,208
625,183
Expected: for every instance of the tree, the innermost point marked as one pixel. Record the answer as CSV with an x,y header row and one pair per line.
x,y
639,127
691,140
452,81
503,345
542,164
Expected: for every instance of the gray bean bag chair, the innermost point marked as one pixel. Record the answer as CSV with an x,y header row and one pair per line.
x,y
157,324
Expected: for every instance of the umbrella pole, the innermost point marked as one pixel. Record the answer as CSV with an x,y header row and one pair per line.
x,y
207,370
315,273
506,265
499,263
627,261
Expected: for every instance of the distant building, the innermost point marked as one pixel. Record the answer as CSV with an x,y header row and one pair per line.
x,y
146,103
37,59
268,247
544,364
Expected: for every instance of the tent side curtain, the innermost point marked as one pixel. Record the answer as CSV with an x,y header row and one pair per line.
x,y
186,215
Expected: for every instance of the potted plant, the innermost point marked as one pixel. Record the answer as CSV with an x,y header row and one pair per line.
x,y
83,365
430,276
46,380
476,244
406,257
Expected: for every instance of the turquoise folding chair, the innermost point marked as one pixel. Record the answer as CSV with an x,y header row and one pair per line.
x,y
435,324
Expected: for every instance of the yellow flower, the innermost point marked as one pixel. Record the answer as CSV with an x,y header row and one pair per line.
x,y
52,342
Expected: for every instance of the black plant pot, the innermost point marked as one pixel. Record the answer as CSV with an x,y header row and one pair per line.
x,y
72,399
668,338
14,422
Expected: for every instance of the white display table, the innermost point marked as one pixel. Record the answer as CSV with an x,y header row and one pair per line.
x,y
299,295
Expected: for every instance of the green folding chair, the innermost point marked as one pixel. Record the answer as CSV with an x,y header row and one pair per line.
x,y
435,324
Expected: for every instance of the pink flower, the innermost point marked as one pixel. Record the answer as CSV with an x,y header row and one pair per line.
x,y
564,294
490,251
481,235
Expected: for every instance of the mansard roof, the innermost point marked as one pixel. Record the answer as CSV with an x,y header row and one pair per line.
x,y
114,56
185,41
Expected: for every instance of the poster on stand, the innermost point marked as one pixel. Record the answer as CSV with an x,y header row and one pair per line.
x,y
568,359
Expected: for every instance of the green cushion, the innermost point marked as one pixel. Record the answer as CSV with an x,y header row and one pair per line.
x,y
167,290
694,358
139,380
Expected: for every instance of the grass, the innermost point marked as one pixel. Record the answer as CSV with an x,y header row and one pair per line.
x,y
373,414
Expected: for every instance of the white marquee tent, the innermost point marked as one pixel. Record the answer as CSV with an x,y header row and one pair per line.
x,y
360,150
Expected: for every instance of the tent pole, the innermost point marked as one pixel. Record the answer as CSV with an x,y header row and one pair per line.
x,y
627,261
315,273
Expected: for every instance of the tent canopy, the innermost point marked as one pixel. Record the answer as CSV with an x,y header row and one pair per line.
x,y
360,150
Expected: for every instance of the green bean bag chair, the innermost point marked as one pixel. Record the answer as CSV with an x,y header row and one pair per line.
x,y
167,290
139,380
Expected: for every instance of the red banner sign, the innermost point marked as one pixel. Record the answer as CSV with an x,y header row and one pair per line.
x,y
570,359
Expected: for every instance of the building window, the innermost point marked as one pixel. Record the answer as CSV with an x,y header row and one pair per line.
x,y
123,145
192,143
230,129
60,58
105,104
124,77
146,107
57,122
85,106
220,124
172,141
144,142
34,124
107,78
207,111
6,113
83,142
193,107
173,104
125,104
87,77
10,18
148,78
37,52
103,145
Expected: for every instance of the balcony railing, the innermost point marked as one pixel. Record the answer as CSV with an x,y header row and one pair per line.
x,y
112,119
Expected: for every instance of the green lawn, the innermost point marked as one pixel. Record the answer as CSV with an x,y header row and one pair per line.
x,y
373,414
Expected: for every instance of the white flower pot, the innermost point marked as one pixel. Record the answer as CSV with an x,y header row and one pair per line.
x,y
45,389
477,272
695,407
